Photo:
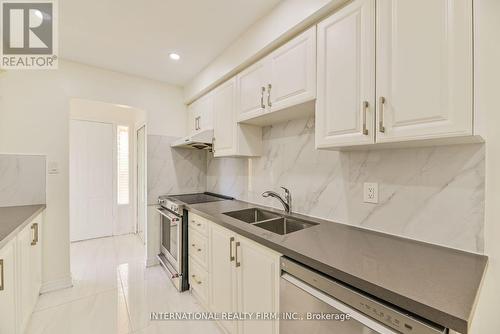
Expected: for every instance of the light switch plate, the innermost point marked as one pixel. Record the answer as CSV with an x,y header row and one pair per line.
x,y
370,192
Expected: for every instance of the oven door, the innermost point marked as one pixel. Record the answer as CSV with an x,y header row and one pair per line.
x,y
171,241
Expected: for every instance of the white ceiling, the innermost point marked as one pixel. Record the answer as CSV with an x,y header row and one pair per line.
x,y
136,36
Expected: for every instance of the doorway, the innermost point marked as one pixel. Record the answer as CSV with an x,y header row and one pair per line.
x,y
91,180
105,195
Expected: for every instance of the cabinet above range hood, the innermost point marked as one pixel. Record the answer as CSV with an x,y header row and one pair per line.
x,y
201,141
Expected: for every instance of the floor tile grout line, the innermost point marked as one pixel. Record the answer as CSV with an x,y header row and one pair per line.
x,y
75,300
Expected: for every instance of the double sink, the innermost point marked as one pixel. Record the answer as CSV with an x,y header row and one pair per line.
x,y
271,221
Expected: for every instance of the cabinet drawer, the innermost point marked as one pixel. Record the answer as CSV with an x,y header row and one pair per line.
x,y
198,280
198,223
198,247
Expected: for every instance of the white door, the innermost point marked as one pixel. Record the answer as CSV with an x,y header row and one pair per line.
x,y
258,275
7,288
91,180
345,107
141,183
293,72
224,119
424,69
252,87
222,294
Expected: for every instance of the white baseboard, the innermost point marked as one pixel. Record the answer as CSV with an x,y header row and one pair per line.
x,y
150,262
63,283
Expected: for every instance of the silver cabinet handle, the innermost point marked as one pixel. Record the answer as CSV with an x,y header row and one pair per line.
x,y
194,279
269,95
198,249
237,263
197,124
381,127
34,227
365,108
262,90
2,285
231,256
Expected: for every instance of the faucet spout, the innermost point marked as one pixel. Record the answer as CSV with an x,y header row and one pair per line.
x,y
286,202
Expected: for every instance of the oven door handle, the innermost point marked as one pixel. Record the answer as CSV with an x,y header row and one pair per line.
x,y
166,213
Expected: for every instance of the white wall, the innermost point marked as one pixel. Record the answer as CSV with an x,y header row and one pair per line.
x,y
285,20
34,118
487,72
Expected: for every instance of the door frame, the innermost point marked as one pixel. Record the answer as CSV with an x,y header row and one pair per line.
x,y
136,180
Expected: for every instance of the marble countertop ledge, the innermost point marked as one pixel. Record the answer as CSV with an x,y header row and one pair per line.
x,y
14,218
434,282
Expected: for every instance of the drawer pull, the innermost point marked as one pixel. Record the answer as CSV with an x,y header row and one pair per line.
x,y
2,285
194,279
198,249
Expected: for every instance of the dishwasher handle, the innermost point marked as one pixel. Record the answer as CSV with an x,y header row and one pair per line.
x,y
354,314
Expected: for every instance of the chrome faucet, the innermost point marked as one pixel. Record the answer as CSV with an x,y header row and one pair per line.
x,y
287,202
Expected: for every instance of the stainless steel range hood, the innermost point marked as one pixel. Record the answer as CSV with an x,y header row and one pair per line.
x,y
201,141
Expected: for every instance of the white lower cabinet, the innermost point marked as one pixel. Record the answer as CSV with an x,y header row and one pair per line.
x,y
8,285
20,277
243,276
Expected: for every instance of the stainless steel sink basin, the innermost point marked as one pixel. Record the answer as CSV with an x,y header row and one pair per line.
x,y
270,221
285,225
252,215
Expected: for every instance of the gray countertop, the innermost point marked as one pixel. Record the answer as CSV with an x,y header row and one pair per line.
x,y
437,283
14,218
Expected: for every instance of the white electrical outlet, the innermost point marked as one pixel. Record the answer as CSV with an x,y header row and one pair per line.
x,y
370,192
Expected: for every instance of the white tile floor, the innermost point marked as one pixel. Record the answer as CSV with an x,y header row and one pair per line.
x,y
114,293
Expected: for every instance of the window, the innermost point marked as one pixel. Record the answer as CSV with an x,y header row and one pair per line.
x,y
123,164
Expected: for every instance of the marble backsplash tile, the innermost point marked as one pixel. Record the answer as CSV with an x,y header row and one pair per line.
x,y
173,171
22,179
433,194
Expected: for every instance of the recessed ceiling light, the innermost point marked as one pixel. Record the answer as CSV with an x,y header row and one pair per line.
x,y
174,56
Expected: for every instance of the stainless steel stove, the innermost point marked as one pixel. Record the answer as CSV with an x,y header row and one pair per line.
x,y
174,233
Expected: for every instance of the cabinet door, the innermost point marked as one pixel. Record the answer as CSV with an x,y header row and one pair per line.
x,y
252,89
222,297
258,285
293,72
205,112
192,127
224,119
25,275
346,77
424,69
36,261
7,289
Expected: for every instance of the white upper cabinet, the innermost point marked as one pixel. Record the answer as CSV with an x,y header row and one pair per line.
x,y
200,114
424,69
293,72
252,84
345,108
231,138
282,81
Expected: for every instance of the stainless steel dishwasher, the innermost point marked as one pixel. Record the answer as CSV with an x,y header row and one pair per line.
x,y
315,304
